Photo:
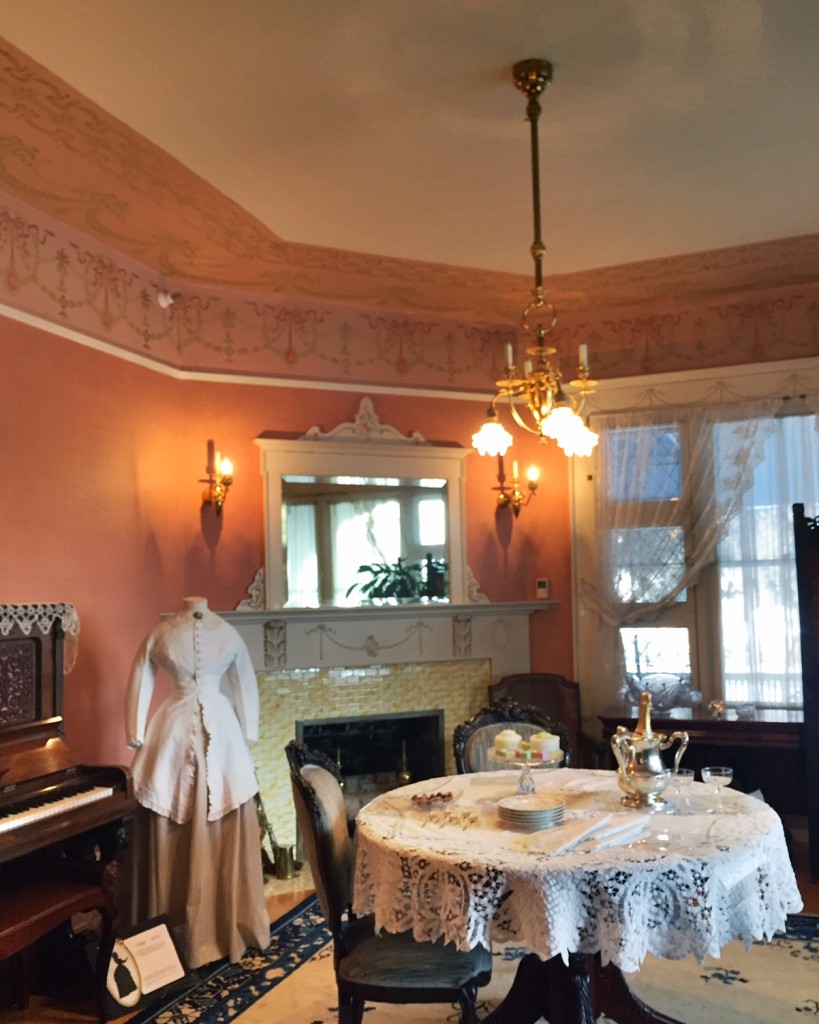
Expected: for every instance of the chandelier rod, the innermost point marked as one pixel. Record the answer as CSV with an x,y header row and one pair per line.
x,y
538,249
531,77
533,381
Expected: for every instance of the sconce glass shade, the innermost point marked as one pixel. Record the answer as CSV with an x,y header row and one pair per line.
x,y
492,438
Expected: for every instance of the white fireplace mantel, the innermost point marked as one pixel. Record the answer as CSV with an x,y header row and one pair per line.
x,y
281,639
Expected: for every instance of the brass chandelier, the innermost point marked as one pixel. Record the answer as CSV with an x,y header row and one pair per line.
x,y
538,400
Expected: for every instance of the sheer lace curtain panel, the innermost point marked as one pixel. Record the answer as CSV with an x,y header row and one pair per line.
x,y
692,529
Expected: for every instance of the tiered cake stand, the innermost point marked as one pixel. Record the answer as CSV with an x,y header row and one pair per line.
x,y
526,782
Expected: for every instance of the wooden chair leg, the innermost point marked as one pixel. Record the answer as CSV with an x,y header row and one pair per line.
x,y
467,998
350,1008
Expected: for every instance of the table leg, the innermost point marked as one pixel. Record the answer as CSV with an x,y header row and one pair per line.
x,y
613,997
573,994
527,1000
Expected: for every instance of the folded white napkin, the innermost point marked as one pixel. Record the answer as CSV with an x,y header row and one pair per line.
x,y
565,837
622,823
635,830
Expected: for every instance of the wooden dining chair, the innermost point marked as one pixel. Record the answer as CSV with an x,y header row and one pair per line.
x,y
806,549
474,739
380,967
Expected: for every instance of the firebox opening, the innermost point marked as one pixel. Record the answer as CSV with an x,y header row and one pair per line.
x,y
372,751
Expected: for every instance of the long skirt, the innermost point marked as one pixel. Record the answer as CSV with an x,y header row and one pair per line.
x,y
206,876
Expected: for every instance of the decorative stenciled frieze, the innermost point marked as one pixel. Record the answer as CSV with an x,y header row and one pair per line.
x,y
739,306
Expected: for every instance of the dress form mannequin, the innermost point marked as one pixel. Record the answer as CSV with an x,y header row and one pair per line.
x,y
195,780
198,608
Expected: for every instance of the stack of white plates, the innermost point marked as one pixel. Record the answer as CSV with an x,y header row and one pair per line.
x,y
532,810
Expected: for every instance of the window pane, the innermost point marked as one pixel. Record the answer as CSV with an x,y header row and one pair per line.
x,y
299,539
647,563
656,649
432,522
761,657
643,463
760,636
365,532
658,659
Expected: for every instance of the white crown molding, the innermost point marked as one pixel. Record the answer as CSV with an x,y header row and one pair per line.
x,y
789,378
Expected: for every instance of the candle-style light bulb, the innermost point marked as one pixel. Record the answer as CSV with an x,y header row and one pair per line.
x,y
515,471
225,467
533,474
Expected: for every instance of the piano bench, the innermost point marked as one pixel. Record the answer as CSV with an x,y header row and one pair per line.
x,y
33,908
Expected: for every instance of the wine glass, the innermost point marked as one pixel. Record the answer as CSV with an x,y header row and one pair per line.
x,y
679,779
718,776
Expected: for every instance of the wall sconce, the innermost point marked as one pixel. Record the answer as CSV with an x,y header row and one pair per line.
x,y
219,479
515,498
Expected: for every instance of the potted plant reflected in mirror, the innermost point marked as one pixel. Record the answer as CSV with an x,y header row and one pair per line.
x,y
401,582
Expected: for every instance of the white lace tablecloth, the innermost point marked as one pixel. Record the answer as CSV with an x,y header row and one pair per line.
x,y
689,884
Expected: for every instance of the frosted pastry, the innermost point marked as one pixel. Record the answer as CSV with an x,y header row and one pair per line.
x,y
546,744
507,741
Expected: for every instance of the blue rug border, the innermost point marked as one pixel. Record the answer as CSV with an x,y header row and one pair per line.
x,y
802,926
312,937
223,990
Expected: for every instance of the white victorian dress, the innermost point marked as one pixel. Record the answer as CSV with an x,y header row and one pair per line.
x,y
194,773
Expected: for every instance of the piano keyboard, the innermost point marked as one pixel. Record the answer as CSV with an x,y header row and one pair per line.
x,y
18,818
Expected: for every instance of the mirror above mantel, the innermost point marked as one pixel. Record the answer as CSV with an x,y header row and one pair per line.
x,y
399,496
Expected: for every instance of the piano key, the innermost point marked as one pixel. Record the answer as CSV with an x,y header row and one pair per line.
x,y
29,815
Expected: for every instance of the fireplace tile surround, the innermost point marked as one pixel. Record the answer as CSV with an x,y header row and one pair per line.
x,y
326,663
458,689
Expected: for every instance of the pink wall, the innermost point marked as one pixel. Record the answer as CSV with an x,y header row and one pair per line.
x,y
101,505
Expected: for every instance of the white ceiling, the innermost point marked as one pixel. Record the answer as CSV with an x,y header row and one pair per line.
x,y
392,126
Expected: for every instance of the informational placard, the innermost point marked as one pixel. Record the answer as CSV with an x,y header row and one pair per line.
x,y
145,965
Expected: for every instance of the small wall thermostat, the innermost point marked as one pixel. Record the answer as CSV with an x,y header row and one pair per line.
x,y
542,589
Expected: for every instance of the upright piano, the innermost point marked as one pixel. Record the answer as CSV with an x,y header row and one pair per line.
x,y
63,825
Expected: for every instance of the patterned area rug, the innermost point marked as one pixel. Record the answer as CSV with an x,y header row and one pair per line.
x,y
292,983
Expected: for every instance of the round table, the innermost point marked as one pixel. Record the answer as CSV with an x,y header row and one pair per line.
x,y
688,884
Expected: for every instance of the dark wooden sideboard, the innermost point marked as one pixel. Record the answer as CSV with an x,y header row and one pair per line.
x,y
766,752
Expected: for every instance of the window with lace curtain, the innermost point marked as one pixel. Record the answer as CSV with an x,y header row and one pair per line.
x,y
760,660
695,577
